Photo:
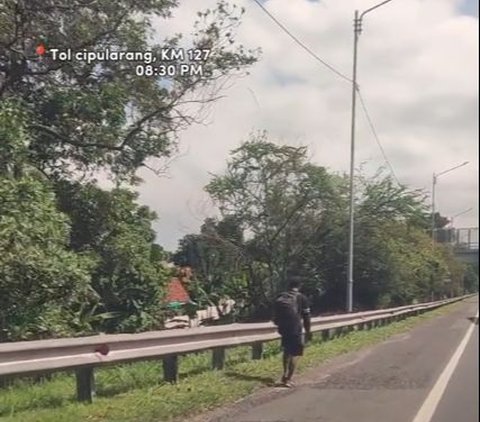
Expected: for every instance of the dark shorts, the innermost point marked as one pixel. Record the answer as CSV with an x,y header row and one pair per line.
x,y
292,344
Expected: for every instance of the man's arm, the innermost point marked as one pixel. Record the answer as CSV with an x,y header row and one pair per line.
x,y
306,317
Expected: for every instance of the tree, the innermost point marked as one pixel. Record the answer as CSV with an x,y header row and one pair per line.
x,y
63,120
128,276
86,116
291,217
440,221
278,198
216,256
40,279
391,245
470,281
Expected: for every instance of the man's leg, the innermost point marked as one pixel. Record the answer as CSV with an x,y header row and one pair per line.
x,y
292,365
286,365
295,351
286,356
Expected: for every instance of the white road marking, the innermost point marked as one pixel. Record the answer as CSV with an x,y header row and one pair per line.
x,y
429,406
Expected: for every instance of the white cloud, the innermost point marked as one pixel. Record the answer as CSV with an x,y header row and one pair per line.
x,y
418,67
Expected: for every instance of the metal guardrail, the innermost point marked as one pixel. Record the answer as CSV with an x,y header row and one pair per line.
x,y
85,353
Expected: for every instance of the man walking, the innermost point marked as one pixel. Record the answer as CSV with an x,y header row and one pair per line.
x,y
290,308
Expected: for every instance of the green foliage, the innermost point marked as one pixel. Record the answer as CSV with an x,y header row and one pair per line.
x,y
39,276
128,276
393,255
277,197
291,219
216,257
13,136
100,115
40,279
60,121
471,278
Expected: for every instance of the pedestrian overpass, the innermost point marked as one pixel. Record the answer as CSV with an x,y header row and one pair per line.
x,y
464,242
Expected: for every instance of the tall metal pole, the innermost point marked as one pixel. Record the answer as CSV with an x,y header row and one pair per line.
x,y
357,29
356,32
434,181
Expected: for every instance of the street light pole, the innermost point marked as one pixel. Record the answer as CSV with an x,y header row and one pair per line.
x,y
435,177
356,32
357,29
434,182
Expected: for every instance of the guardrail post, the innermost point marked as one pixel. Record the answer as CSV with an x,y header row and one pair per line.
x,y
257,351
170,369
218,358
85,379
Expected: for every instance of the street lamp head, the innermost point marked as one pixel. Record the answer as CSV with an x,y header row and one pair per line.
x,y
435,175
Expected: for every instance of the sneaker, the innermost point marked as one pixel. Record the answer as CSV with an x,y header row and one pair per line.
x,y
287,383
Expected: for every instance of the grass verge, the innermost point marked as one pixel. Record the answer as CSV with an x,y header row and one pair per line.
x,y
134,393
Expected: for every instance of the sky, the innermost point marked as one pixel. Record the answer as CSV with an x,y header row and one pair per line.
x,y
418,74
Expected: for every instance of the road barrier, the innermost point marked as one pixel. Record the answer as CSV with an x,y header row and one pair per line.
x,y
83,354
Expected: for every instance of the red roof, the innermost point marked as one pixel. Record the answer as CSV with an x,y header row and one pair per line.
x,y
176,292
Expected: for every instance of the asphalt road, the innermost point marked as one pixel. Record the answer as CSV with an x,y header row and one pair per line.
x,y
460,399
393,382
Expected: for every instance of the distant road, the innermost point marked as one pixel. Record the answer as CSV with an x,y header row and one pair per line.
x,y
427,375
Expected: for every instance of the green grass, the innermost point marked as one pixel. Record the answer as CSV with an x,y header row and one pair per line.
x,y
136,393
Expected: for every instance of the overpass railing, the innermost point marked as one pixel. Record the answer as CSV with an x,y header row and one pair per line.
x,y
86,353
460,239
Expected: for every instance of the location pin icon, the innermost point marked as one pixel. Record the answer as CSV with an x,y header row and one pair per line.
x,y
40,50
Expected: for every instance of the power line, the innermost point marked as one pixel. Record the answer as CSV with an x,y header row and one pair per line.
x,y
375,135
301,44
338,73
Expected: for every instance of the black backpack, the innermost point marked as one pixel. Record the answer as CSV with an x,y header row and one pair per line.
x,y
285,309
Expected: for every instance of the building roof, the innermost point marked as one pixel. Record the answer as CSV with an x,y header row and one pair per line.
x,y
176,292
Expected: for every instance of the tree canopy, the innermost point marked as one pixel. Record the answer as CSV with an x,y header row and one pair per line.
x,y
89,116
77,258
291,220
